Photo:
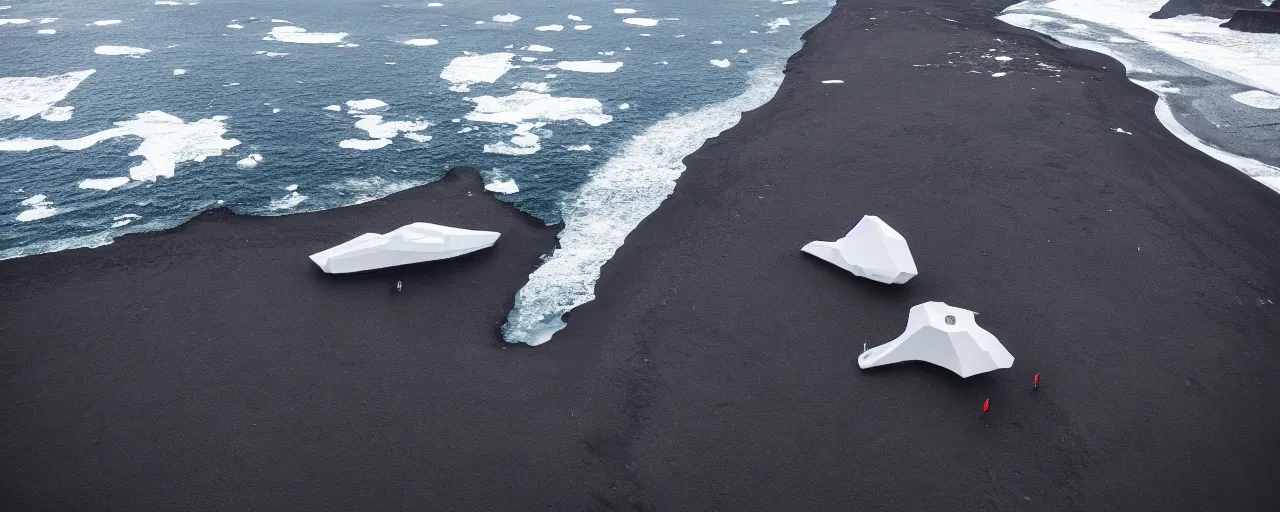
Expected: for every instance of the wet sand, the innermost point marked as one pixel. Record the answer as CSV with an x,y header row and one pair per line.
x,y
213,367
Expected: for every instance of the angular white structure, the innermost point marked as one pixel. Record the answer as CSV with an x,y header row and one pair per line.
x,y
872,250
415,243
943,335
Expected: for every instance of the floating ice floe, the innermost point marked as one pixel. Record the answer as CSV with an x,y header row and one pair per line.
x,y
179,72
57,114
998,75
166,141
289,201
131,51
1121,130
720,63
872,250
506,18
642,22
833,81
104,183
503,187
416,243
538,48
104,23
250,161
435,4
945,336
534,86
40,208
589,66
1258,99
270,54
527,111
471,69
624,106
524,106
365,105
624,11
550,28
776,24
583,147
364,144
335,108
582,27
236,26
46,31
293,34
573,17
23,97
497,181
422,42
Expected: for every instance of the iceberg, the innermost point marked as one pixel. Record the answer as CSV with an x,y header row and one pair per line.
x,y
414,243
872,250
943,335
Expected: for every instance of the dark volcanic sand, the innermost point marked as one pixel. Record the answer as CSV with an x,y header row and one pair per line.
x,y
213,368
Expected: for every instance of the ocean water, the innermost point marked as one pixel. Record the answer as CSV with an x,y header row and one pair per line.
x,y
120,116
1219,89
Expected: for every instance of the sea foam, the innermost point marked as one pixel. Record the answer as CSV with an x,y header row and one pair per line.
x,y
1166,49
614,200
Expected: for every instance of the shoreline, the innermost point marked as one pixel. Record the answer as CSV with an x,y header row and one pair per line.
x,y
204,368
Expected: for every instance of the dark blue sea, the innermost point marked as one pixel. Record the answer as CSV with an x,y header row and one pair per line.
x,y
578,112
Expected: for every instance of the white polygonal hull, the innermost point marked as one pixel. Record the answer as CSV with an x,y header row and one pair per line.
x,y
872,250
416,243
945,336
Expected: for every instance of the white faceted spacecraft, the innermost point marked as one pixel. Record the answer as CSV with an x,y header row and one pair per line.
x,y
415,243
943,335
872,250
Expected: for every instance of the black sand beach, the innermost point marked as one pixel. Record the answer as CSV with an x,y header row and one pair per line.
x,y
214,368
